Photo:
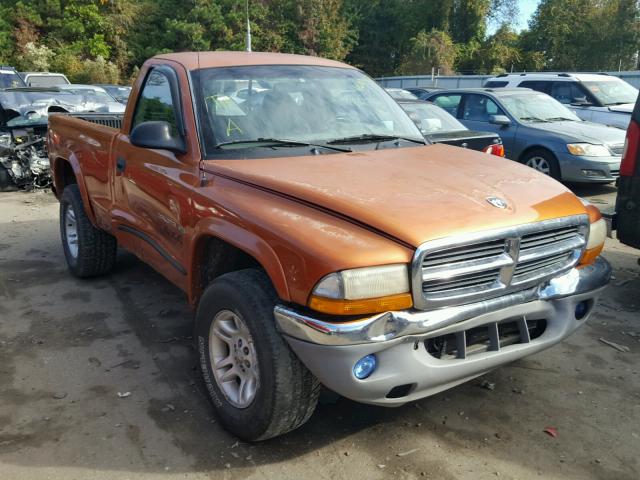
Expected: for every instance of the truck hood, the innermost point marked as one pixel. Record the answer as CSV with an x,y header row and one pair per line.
x,y
583,132
413,194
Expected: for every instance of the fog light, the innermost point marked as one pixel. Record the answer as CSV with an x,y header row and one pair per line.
x,y
593,173
581,310
365,366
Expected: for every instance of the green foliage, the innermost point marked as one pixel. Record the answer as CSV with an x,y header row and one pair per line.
x,y
585,34
433,50
35,57
97,71
107,40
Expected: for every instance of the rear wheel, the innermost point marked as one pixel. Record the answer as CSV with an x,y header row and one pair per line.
x,y
89,251
542,161
6,182
257,385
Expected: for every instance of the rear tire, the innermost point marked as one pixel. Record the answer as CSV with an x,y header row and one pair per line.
x,y
238,342
6,182
543,161
89,251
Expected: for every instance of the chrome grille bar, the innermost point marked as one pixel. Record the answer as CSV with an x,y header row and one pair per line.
x,y
463,269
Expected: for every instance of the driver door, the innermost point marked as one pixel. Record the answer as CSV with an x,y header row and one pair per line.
x,y
476,112
152,185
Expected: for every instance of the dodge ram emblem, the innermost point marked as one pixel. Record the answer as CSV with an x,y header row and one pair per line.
x,y
497,202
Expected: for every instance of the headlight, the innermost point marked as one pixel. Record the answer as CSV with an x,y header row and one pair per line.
x,y
597,234
363,290
588,150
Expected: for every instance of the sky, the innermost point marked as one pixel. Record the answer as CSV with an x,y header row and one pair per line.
x,y
526,7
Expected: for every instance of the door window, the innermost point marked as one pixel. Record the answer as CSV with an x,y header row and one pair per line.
x,y
479,108
538,85
156,102
449,103
496,84
568,92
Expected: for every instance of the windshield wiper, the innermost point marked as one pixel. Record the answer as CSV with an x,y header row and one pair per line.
x,y
280,142
560,119
372,137
534,119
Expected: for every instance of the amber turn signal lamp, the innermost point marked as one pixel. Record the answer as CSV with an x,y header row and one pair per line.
x,y
360,307
589,256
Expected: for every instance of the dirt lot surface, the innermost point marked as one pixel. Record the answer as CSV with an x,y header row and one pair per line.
x,y
70,349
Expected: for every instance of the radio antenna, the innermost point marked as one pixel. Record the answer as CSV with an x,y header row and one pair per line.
x,y
248,40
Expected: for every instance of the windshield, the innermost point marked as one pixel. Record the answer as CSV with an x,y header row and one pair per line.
x,y
119,93
46,80
612,92
432,119
92,95
400,94
10,79
32,118
301,103
536,107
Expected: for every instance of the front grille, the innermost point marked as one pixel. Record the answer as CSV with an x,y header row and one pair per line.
x,y
461,270
615,172
617,149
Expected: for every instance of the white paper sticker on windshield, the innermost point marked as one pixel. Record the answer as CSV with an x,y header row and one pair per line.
x,y
225,106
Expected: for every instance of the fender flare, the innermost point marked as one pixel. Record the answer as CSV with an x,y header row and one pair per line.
x,y
242,239
77,172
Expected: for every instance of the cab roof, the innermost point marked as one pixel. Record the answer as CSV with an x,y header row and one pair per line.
x,y
197,60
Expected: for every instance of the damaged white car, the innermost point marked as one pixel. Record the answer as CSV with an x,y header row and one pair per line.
x,y
24,114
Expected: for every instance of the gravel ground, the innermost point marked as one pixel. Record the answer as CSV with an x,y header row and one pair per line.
x,y
70,349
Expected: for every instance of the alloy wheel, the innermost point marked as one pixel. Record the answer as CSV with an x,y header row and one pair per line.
x,y
233,358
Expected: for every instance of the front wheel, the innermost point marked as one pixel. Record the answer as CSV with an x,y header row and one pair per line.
x,y
542,161
257,385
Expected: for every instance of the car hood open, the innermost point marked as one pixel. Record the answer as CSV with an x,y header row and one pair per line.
x,y
413,194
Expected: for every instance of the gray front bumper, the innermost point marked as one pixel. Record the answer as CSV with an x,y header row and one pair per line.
x,y
572,168
330,350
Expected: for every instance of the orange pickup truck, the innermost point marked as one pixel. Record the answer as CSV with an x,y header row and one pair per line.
x,y
322,240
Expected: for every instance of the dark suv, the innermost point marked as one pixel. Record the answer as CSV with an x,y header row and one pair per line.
x,y
628,201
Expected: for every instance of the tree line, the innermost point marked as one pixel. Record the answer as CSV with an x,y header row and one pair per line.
x,y
107,40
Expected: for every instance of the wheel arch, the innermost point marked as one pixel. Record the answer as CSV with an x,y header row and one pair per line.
x,y
235,249
68,172
531,148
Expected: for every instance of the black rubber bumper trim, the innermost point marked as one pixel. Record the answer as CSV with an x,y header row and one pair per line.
x,y
174,263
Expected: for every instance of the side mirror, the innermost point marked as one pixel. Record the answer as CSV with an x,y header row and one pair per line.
x,y
581,102
500,120
158,136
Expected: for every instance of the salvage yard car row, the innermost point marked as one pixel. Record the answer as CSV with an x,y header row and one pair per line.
x,y
24,112
556,136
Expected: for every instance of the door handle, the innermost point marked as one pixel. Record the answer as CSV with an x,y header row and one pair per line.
x,y
121,164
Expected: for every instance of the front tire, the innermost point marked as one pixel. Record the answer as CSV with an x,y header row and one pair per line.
x,y
257,385
542,161
89,251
